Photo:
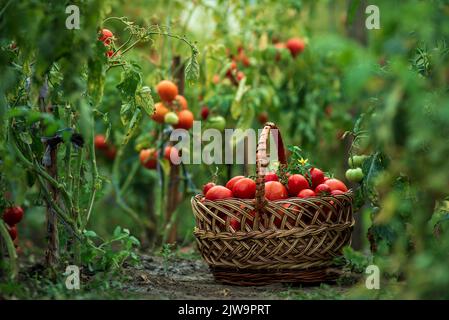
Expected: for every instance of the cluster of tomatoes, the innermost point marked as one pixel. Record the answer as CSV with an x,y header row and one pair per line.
x,y
312,184
149,157
106,36
12,216
234,74
315,183
355,172
108,149
173,108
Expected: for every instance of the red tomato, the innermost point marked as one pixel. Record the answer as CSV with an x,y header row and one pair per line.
x,y
336,192
326,178
204,112
232,181
275,190
235,224
148,158
216,79
172,154
207,187
167,90
296,46
296,183
322,189
271,176
218,192
317,177
12,232
159,112
12,215
182,102
240,76
109,53
100,142
335,184
106,36
306,193
244,189
262,117
185,120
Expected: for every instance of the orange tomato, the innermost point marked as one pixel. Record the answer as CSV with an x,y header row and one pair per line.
x,y
182,102
185,120
160,112
167,90
148,158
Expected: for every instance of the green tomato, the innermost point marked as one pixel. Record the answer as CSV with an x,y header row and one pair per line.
x,y
171,118
356,161
354,175
217,122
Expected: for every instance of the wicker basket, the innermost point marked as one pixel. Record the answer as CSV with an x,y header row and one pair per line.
x,y
293,240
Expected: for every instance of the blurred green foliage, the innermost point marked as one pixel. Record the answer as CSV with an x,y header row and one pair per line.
x,y
389,92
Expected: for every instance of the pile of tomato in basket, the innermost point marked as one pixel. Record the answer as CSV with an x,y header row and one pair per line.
x,y
312,184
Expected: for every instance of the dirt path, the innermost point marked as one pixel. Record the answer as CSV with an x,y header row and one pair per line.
x,y
189,278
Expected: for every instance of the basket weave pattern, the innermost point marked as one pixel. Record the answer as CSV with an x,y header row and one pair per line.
x,y
291,240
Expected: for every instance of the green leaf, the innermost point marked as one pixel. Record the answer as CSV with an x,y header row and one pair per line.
x,y
192,70
131,79
145,100
134,241
26,137
117,232
90,234
133,125
126,112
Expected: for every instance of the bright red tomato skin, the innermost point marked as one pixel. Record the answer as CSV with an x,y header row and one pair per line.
x,y
106,36
271,176
322,189
275,190
100,142
207,187
244,189
296,46
218,192
306,193
317,177
296,183
230,184
335,184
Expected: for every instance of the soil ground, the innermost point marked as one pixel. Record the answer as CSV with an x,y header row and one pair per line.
x,y
190,278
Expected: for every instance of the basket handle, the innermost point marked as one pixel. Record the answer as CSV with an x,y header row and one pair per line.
x,y
262,161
